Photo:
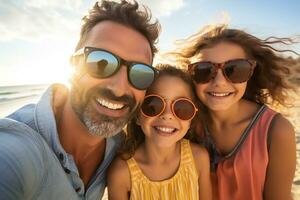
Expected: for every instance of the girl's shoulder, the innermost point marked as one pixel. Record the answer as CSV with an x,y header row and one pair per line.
x,y
197,149
118,164
282,156
118,171
200,155
281,129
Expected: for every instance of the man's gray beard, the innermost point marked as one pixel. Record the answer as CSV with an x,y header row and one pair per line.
x,y
96,123
102,125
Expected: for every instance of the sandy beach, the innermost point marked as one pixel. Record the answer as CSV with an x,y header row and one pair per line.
x,y
293,116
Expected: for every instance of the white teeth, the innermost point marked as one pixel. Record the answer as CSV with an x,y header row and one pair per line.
x,y
220,94
165,129
109,105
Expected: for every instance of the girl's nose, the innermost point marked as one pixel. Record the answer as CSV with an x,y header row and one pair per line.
x,y
219,79
167,114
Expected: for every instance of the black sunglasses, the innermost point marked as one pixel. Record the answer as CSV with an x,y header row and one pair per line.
x,y
101,63
235,71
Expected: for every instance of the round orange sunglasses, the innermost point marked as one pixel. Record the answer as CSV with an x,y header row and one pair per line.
x,y
182,108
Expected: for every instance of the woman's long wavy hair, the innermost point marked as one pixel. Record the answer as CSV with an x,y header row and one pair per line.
x,y
269,83
134,134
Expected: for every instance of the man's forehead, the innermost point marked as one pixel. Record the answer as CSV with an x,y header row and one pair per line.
x,y
121,40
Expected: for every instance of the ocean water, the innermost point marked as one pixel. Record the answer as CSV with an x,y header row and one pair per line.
x,y
15,97
11,93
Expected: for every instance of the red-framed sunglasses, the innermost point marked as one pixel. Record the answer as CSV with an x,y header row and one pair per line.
x,y
235,71
182,108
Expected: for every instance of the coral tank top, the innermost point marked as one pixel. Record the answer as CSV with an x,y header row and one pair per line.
x,y
240,175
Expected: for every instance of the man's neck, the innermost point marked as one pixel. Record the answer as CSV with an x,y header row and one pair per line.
x,y
87,150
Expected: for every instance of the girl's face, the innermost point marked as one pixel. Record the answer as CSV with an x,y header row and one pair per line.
x,y
165,129
220,94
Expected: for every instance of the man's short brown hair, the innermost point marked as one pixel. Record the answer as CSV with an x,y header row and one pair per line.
x,y
122,12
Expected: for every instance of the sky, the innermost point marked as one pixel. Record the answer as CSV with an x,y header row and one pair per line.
x,y
37,37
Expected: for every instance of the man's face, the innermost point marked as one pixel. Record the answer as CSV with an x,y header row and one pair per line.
x,y
105,105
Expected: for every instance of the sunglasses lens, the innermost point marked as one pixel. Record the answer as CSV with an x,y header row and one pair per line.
x,y
238,71
203,72
101,64
152,106
184,109
141,76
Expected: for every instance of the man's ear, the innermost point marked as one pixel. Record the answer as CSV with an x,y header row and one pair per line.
x,y
137,121
73,60
77,61
77,64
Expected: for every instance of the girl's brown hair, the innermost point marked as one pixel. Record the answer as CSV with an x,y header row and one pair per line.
x,y
134,134
269,83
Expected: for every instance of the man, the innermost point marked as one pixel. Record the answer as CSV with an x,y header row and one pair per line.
x,y
60,147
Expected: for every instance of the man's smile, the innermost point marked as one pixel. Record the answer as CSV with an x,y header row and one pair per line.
x,y
111,108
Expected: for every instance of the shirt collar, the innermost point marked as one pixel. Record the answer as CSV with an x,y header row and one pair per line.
x,y
45,117
46,113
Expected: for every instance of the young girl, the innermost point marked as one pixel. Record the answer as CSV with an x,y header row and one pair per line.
x,y
159,163
252,147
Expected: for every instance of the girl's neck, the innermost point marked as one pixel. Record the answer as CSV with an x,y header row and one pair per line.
x,y
236,113
158,154
224,116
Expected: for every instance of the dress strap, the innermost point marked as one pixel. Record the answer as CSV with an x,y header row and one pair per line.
x,y
215,156
135,171
186,153
247,131
186,158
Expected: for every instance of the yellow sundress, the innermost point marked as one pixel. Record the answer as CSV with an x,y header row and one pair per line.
x,y
182,186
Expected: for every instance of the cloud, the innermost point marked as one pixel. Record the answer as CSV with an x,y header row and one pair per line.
x,y
37,19
223,17
56,4
163,7
34,20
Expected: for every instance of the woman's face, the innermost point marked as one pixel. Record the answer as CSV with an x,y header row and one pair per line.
x,y
219,94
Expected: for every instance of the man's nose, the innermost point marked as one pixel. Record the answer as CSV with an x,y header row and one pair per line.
x,y
119,83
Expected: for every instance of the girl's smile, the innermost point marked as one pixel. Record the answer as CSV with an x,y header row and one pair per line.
x,y
165,130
